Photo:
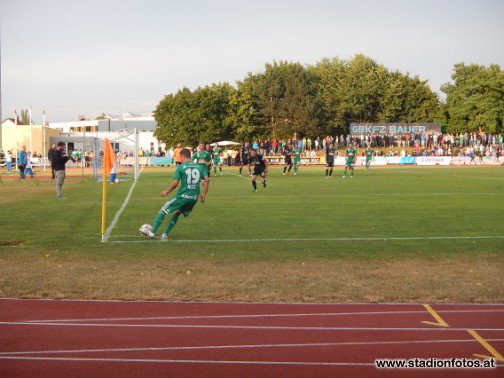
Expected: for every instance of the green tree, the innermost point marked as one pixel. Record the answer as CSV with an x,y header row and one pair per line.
x,y
25,116
475,98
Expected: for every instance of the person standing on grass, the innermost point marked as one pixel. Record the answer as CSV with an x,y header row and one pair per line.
x,y
8,161
216,159
244,156
202,157
176,154
369,155
189,174
59,161
330,152
287,153
351,155
50,155
260,168
21,162
28,167
297,159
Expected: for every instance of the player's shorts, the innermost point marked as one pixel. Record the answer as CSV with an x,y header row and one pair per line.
x,y
350,163
288,161
184,205
297,161
216,162
258,172
330,163
244,161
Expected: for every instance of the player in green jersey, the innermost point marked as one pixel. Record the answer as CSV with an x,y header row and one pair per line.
x,y
369,155
351,157
189,175
216,159
203,157
297,159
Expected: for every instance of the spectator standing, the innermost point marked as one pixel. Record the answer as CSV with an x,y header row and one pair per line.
x,y
176,155
50,155
59,161
8,161
28,167
21,162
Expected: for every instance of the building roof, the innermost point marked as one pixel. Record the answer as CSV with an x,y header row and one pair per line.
x,y
13,120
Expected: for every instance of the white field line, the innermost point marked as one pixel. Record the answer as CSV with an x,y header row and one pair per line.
x,y
121,209
370,195
289,328
468,311
145,360
246,176
242,346
271,240
283,304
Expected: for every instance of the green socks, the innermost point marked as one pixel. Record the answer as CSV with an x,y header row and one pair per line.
x,y
344,172
171,224
157,222
296,169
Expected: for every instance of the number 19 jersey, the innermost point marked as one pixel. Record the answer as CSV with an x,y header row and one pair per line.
x,y
190,175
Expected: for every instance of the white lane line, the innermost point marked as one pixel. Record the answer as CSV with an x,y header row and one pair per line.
x,y
146,360
197,326
243,346
271,240
121,209
258,316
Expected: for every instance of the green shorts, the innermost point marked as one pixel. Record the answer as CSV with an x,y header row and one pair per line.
x,y
350,163
216,162
184,205
297,161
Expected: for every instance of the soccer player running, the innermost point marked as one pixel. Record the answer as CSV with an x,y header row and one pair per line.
x,y
244,155
297,159
351,155
260,168
216,159
287,153
369,155
330,152
189,175
203,157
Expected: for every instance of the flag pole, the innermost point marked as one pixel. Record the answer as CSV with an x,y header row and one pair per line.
x,y
104,191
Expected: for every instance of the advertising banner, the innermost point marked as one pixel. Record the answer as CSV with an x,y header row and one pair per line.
x,y
394,128
433,160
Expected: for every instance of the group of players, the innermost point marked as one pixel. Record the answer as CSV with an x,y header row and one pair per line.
x,y
197,168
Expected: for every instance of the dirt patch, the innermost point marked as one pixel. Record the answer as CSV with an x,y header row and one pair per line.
x,y
311,281
10,243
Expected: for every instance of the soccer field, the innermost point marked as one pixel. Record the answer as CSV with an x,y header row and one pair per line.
x,y
394,233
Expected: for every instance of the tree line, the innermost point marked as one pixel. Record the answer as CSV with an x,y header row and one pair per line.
x,y
289,99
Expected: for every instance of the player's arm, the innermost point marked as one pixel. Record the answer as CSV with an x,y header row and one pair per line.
x,y
173,185
206,184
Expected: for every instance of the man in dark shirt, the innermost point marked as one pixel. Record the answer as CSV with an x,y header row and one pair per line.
x,y
244,155
260,165
58,164
50,155
330,153
287,153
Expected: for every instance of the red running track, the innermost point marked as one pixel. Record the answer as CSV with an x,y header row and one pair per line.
x,y
48,338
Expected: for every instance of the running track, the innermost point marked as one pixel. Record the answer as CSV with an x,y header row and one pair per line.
x,y
147,339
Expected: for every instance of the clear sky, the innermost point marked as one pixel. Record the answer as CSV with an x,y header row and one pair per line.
x,y
85,57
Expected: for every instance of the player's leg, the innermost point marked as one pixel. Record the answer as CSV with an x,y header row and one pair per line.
x,y
171,223
263,179
330,169
327,170
351,170
241,168
220,169
296,168
285,169
290,167
345,171
214,169
254,183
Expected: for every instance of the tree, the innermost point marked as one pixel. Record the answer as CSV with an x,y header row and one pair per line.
x,y
101,116
25,116
475,98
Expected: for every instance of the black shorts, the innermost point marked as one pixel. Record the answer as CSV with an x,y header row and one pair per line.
x,y
288,161
330,163
258,172
244,161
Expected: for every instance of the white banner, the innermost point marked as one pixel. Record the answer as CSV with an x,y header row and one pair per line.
x,y
433,160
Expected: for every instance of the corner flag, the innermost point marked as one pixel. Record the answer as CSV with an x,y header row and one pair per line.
x,y
108,162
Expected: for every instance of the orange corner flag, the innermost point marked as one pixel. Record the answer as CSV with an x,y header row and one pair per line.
x,y
109,158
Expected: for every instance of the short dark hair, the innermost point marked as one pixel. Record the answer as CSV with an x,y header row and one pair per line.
x,y
61,144
185,153
253,149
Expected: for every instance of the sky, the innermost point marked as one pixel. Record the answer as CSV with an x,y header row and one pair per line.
x,y
74,57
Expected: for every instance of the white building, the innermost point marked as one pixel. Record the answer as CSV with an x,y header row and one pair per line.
x,y
81,134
